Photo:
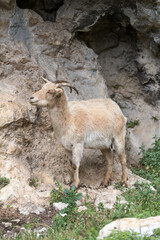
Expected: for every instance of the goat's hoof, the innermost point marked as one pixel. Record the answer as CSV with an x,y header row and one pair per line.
x,y
124,184
83,186
104,183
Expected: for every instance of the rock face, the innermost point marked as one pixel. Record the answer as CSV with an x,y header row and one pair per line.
x,y
141,226
93,45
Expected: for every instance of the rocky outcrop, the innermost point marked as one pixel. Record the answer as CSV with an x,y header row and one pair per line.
x,y
140,226
93,45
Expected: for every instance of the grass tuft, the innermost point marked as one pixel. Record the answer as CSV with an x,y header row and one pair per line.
x,y
4,181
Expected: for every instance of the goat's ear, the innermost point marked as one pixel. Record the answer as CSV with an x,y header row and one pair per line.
x,y
58,92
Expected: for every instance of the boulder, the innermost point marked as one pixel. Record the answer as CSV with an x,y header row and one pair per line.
x,y
142,226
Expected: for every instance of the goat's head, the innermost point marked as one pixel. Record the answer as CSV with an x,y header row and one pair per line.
x,y
50,93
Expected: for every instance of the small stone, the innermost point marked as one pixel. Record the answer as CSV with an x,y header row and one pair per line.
x,y
7,224
16,220
60,206
38,210
63,214
78,203
82,208
107,197
42,230
31,208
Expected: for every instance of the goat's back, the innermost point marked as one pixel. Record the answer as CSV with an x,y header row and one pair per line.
x,y
97,114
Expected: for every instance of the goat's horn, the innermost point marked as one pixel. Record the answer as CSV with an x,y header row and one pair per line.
x,y
60,82
66,84
44,79
74,89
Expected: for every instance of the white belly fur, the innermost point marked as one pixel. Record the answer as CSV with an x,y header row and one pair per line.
x,y
92,140
66,144
97,141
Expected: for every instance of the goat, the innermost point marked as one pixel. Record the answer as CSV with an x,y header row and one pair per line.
x,y
95,124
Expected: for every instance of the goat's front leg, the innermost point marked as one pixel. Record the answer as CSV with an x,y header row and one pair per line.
x,y
77,154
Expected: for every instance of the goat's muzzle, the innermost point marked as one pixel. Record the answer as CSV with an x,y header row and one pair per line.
x,y
33,100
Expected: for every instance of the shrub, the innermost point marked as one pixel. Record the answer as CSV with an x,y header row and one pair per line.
x,y
56,194
4,181
132,124
33,182
150,163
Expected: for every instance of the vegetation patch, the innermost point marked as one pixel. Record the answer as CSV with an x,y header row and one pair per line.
x,y
150,164
131,235
143,201
4,181
56,194
116,86
154,118
132,124
33,182
119,104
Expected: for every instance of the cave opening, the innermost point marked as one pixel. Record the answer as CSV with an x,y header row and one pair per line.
x,y
46,9
114,40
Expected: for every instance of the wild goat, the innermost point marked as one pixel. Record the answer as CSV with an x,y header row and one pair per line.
x,y
95,124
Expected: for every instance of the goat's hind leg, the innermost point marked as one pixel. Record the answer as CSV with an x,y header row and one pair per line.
x,y
122,158
120,151
108,155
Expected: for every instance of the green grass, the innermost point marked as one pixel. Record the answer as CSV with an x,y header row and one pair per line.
x,y
142,200
33,182
154,118
56,194
3,182
132,124
127,235
116,86
150,164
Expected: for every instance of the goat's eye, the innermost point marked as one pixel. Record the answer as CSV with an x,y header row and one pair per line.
x,y
51,91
